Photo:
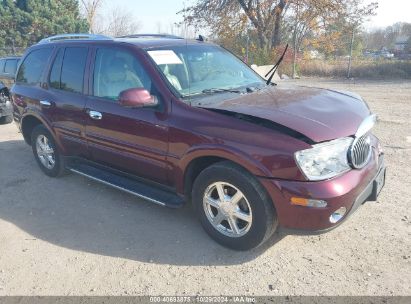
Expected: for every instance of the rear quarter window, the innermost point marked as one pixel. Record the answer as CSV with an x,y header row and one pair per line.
x,y
32,68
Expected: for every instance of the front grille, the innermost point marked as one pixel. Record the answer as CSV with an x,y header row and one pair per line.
x,y
360,151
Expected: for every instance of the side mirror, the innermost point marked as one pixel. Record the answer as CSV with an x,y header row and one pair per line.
x,y
137,98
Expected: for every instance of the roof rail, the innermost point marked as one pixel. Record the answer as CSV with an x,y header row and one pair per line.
x,y
166,36
74,37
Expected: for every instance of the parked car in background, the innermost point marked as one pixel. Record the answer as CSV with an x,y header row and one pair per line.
x,y
382,54
173,120
8,67
386,54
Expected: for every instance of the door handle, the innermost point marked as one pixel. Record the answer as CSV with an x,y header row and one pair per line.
x,y
95,115
45,103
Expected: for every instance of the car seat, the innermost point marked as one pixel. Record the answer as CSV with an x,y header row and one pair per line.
x,y
118,77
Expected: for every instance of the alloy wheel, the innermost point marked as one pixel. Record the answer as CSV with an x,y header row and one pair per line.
x,y
227,209
45,152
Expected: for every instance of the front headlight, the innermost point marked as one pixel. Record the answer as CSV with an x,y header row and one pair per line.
x,y
325,160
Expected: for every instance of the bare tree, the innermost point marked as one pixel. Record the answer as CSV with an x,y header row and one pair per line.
x,y
266,17
90,9
355,15
231,17
120,22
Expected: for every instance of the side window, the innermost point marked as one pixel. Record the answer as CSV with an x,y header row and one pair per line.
x,y
116,70
2,62
31,69
72,70
11,66
56,70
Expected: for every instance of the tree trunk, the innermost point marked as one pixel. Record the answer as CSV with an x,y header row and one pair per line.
x,y
294,52
261,39
350,59
276,39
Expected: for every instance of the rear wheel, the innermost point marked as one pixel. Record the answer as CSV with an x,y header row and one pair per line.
x,y
233,207
46,152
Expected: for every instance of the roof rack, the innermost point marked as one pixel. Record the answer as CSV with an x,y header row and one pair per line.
x,y
165,36
74,37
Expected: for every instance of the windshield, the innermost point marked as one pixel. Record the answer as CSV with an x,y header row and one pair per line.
x,y
203,69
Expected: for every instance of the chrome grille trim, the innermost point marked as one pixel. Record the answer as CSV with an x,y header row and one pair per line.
x,y
360,152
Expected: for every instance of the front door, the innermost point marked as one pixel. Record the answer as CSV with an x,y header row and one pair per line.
x,y
134,140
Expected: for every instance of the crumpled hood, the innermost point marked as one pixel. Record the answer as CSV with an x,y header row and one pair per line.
x,y
319,114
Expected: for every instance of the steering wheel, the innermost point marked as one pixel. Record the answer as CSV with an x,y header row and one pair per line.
x,y
215,72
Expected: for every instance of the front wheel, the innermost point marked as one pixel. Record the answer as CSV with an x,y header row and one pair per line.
x,y
233,207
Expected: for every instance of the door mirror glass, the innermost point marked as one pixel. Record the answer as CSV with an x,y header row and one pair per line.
x,y
137,98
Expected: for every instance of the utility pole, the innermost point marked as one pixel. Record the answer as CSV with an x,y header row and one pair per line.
x,y
248,48
294,51
295,47
350,59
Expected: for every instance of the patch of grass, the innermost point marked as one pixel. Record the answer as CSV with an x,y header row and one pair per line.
x,y
364,69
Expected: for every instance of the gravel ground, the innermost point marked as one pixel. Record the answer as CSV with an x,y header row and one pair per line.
x,y
71,236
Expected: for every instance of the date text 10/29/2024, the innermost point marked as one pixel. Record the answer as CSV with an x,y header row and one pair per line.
x,y
202,299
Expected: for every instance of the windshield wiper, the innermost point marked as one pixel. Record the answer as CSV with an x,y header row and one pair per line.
x,y
210,91
275,67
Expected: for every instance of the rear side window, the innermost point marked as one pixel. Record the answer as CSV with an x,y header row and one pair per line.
x,y
32,68
72,70
67,71
11,66
56,70
2,62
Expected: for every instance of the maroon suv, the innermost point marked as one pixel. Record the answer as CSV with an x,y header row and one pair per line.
x,y
172,120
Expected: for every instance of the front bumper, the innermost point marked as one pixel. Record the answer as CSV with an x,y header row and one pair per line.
x,y
349,190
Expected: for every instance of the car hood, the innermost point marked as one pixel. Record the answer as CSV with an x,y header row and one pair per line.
x,y
319,114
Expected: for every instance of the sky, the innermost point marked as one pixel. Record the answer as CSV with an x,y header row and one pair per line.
x,y
151,13
390,12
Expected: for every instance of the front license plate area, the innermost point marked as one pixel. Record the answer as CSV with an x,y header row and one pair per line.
x,y
378,184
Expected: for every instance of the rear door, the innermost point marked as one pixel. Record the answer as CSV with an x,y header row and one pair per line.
x,y
66,87
134,140
29,91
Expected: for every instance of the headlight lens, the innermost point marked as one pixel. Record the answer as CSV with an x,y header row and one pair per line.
x,y
325,160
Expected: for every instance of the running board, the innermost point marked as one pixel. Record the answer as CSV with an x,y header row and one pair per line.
x,y
127,184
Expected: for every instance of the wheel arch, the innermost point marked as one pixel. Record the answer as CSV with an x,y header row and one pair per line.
x,y
193,163
29,122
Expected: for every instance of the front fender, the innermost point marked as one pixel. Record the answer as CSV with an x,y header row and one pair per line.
x,y
220,151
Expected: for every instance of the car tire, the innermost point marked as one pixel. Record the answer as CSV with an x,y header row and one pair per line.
x,y
6,120
46,153
246,207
